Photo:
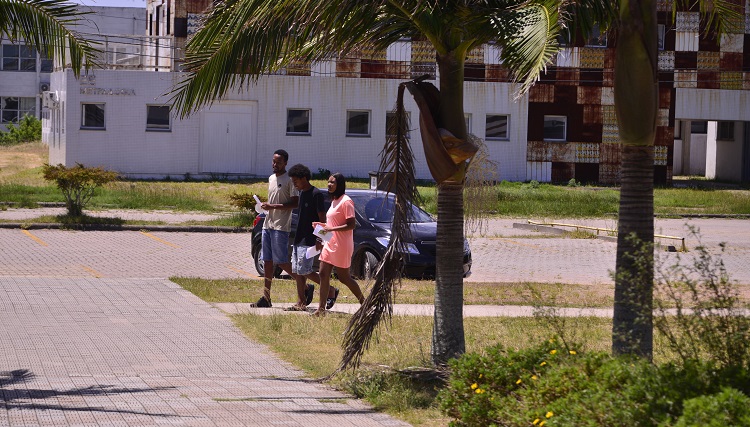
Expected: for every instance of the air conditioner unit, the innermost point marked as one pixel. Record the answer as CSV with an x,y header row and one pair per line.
x,y
43,87
49,99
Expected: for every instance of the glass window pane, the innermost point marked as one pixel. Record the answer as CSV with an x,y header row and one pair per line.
x,y
10,64
298,121
10,116
93,116
10,50
28,65
358,123
554,128
10,103
496,127
46,66
699,126
27,52
157,117
27,104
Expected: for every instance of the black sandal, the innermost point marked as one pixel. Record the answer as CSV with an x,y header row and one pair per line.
x,y
331,301
262,303
309,293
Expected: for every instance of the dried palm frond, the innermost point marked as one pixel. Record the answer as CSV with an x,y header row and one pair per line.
x,y
479,188
397,159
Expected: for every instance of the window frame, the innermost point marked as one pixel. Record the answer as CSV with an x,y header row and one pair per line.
x,y
351,134
25,57
702,131
309,122
602,43
565,128
725,130
661,33
19,111
507,127
104,116
158,127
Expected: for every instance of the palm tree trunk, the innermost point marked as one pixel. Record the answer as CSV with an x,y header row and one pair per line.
x,y
448,330
636,104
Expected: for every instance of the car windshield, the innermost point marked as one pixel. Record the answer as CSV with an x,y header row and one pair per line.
x,y
376,207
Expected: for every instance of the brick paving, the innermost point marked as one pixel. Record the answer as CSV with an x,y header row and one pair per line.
x,y
94,334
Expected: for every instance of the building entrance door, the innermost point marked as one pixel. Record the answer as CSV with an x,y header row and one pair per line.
x,y
228,138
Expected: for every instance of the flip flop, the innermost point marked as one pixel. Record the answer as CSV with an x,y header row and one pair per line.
x,y
309,293
331,301
295,308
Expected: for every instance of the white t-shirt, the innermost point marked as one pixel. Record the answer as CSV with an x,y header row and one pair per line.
x,y
280,190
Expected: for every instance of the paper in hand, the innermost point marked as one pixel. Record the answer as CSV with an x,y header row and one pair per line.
x,y
324,235
311,252
258,209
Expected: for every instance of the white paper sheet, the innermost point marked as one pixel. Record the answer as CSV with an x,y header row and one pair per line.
x,y
311,252
257,205
318,232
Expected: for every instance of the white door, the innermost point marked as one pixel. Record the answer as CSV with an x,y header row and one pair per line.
x,y
228,137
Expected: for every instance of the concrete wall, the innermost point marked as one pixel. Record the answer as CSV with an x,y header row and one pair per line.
x,y
126,146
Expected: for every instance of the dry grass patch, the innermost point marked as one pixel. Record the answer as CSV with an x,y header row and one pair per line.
x,y
21,163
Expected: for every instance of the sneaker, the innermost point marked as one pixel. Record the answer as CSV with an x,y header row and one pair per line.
x,y
262,303
309,293
331,301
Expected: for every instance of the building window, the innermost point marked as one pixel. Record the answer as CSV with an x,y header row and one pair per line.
x,y
597,38
496,127
389,123
13,108
297,122
18,57
699,126
157,117
357,123
661,28
92,116
555,128
725,131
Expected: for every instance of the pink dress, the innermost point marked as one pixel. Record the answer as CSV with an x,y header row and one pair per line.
x,y
338,251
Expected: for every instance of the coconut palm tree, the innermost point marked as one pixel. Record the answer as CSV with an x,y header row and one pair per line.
x,y
241,40
46,26
636,104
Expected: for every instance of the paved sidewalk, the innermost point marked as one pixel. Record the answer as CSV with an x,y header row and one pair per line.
x,y
144,352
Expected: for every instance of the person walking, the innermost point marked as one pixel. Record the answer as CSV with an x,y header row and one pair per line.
x,y
311,209
282,199
337,252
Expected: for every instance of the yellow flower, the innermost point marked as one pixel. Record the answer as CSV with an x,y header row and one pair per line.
x,y
534,377
549,414
536,421
519,381
479,391
474,386
572,352
553,352
480,376
543,363
542,423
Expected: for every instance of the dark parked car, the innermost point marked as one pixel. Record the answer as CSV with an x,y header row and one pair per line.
x,y
374,214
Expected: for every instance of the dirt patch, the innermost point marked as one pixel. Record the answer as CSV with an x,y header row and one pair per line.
x,y
18,158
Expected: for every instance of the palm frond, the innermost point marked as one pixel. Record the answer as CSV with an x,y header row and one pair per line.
x,y
398,159
46,25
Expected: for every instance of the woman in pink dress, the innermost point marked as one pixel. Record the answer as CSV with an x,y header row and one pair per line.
x,y
337,252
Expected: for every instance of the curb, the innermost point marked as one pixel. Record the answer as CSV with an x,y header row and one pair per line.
x,y
126,227
552,230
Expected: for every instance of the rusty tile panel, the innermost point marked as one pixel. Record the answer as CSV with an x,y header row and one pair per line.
x,y
537,151
666,79
372,54
476,55
731,80
708,41
592,114
663,5
566,95
195,6
746,50
730,61
609,174
688,21
298,68
348,67
422,52
665,97
373,69
562,151
609,59
664,136
666,60
586,152
497,73
708,61
567,76
609,116
686,60
542,93
548,76
592,57
474,72
590,132
708,79
420,69
608,96
732,42
587,172
686,79
398,70
563,171
662,117
610,154
746,81
609,78
589,95
591,77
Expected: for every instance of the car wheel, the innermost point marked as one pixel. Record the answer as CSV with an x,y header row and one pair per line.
x,y
258,262
369,264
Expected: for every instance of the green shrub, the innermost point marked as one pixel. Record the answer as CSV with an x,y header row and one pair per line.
x,y
29,129
730,407
77,183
